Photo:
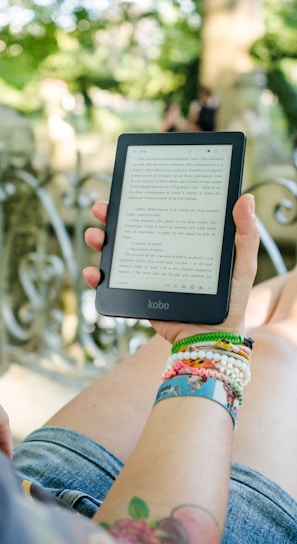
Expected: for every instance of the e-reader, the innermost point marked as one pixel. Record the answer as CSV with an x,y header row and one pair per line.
x,y
169,237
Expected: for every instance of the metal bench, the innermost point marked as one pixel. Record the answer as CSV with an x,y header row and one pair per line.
x,y
47,315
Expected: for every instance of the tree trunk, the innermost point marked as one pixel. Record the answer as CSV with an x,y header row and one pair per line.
x,y
230,27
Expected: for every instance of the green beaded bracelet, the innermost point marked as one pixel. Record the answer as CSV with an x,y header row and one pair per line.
x,y
212,337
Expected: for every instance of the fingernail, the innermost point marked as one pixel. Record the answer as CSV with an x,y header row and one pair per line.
x,y
252,204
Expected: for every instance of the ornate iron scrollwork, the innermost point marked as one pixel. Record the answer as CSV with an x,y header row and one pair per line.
x,y
284,213
36,328
40,273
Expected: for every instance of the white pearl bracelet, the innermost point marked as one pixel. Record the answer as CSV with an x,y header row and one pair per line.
x,y
234,366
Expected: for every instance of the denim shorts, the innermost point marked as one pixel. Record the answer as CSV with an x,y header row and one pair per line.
x,y
80,472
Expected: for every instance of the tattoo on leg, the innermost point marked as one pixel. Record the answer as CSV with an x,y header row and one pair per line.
x,y
186,524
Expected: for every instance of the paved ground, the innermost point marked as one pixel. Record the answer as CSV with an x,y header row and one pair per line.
x,y
30,398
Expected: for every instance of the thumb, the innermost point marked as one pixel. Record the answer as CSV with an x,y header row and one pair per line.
x,y
246,253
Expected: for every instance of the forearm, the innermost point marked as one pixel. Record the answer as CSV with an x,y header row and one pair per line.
x,y
180,467
180,464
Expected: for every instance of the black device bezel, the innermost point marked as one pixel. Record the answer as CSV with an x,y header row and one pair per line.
x,y
185,307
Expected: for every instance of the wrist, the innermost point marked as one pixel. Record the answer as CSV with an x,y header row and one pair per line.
x,y
189,330
210,388
213,365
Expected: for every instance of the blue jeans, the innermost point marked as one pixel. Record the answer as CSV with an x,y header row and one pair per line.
x,y
72,467
80,472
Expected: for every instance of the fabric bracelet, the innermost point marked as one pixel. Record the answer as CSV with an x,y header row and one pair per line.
x,y
195,386
212,337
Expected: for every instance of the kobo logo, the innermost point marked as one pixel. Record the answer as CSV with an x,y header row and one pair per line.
x,y
157,305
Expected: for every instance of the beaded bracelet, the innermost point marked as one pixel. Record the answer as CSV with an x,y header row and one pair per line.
x,y
240,375
209,388
213,337
228,363
201,355
224,345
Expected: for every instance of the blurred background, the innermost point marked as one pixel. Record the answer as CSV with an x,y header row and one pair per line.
x,y
74,74
82,71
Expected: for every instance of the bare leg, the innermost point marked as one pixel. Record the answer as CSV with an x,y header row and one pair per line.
x,y
114,409
266,436
263,301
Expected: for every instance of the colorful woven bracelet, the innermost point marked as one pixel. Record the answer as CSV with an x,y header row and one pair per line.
x,y
193,386
229,366
239,375
212,337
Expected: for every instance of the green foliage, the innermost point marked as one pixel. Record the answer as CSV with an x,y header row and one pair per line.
x,y
286,92
144,50
274,49
121,46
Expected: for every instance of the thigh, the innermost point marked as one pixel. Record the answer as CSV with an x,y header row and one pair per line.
x,y
114,409
266,435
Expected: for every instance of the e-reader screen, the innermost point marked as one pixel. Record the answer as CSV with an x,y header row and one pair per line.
x,y
165,238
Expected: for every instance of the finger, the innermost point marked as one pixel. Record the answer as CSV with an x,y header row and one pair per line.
x,y
99,210
94,238
245,265
91,276
246,246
